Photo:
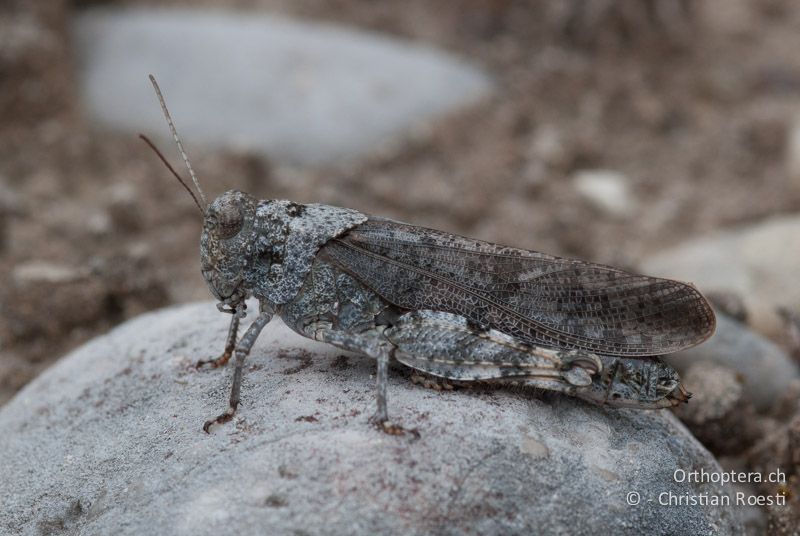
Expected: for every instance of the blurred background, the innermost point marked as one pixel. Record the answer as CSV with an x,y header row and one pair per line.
x,y
657,135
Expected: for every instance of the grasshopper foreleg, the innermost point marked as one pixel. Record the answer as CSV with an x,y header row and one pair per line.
x,y
241,353
230,343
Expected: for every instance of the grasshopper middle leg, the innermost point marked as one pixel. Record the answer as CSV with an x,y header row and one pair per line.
x,y
372,344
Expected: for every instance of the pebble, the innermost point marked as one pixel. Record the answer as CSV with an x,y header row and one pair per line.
x,y
608,191
758,262
765,370
298,92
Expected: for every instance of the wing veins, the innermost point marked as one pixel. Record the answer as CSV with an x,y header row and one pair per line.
x,y
557,334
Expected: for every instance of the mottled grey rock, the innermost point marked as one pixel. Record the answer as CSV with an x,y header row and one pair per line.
x,y
765,370
718,388
299,92
109,441
759,262
719,414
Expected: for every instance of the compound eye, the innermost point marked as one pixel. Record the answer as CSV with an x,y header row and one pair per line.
x,y
229,221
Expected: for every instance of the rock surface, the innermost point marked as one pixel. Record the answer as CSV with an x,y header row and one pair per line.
x,y
109,440
719,415
766,371
299,92
758,262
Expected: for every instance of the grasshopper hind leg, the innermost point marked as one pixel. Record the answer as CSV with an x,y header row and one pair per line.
x,y
447,346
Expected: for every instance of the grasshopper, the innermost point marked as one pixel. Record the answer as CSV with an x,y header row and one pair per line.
x,y
452,307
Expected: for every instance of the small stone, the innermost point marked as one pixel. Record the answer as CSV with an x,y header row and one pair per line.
x,y
98,223
534,448
607,190
766,371
69,296
758,262
547,146
716,390
300,92
102,292
45,272
718,414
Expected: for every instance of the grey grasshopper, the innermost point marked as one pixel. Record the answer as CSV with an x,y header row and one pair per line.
x,y
449,306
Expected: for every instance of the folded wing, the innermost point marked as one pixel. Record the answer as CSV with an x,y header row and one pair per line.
x,y
540,299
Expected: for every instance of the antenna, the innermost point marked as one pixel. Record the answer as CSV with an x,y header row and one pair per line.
x,y
177,140
166,163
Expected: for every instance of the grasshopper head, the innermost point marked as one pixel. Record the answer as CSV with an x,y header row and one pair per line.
x,y
225,245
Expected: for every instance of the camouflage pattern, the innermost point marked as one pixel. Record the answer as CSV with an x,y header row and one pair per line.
x,y
446,305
